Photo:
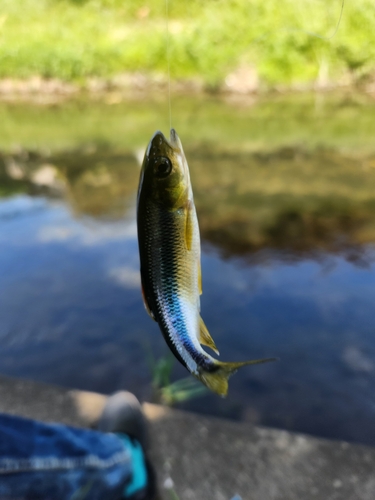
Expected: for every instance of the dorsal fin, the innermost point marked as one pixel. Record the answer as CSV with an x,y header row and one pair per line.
x,y
205,337
145,303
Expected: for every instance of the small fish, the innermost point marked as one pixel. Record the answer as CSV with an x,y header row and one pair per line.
x,y
169,248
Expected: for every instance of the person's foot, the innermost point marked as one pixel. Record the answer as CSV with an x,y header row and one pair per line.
x,y
123,414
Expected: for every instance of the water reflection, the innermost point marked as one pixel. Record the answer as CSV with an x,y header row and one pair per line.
x,y
293,202
288,271
68,296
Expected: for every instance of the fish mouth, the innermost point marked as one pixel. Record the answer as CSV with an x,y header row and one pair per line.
x,y
176,144
174,139
158,142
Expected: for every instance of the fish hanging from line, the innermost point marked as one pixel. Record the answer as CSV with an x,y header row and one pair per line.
x,y
169,249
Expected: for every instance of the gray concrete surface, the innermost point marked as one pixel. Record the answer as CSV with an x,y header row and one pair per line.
x,y
212,459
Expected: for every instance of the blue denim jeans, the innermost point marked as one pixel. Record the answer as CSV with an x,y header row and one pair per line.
x,y
54,462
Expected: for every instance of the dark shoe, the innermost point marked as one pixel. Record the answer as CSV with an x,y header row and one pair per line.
x,y
123,414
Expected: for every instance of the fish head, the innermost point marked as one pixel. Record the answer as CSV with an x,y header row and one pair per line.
x,y
165,173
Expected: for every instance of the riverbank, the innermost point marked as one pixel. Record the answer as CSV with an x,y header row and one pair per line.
x,y
214,459
137,86
239,45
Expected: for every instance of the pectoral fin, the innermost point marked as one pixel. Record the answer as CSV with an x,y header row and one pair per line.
x,y
147,307
199,278
189,225
205,337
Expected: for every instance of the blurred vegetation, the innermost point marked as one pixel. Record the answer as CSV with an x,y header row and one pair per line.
x,y
341,121
77,39
168,392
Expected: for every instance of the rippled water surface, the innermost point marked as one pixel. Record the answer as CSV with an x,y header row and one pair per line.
x,y
288,229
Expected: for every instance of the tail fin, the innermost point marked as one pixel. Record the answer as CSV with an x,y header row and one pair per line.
x,y
217,380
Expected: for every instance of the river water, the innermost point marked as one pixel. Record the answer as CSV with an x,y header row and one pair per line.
x,y
288,229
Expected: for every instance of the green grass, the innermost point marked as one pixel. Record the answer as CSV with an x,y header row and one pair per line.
x,y
168,392
77,39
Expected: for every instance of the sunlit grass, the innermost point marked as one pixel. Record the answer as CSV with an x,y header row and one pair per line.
x,y
76,39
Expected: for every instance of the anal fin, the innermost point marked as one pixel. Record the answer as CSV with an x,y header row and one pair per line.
x,y
205,337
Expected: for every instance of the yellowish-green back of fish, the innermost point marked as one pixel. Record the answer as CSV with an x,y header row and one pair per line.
x,y
217,381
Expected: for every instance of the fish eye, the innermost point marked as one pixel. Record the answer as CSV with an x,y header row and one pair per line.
x,y
163,167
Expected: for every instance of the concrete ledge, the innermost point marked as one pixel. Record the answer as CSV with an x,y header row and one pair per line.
x,y
213,459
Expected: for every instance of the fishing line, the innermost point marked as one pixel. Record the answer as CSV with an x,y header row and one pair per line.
x,y
310,33
168,62
325,38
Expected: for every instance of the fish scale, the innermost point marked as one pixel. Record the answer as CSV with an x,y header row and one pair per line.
x,y
168,280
